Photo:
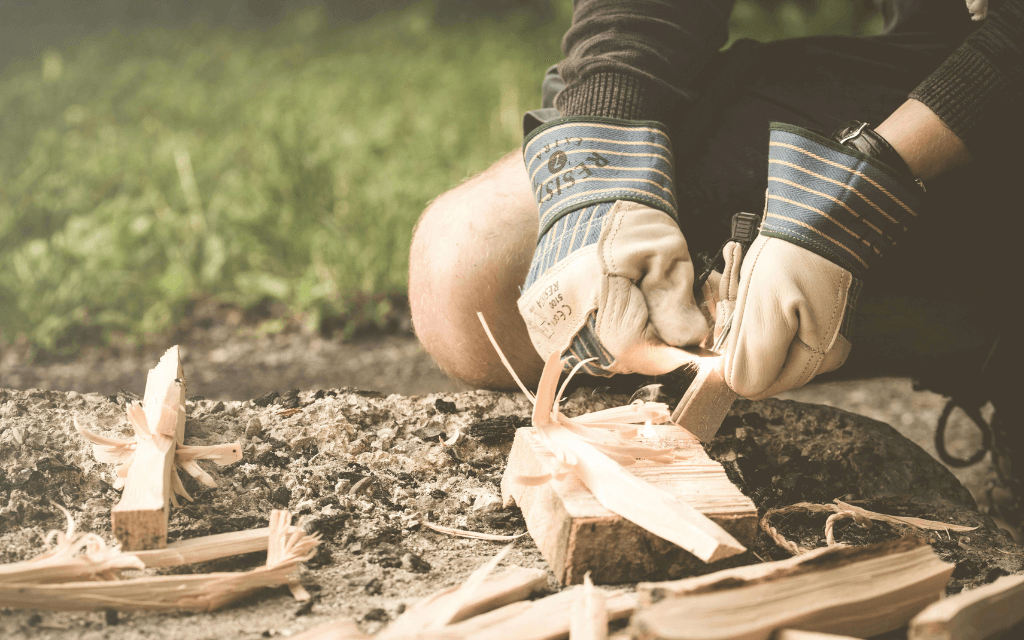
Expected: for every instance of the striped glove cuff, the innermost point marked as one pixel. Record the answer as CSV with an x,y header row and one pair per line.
x,y
577,162
833,200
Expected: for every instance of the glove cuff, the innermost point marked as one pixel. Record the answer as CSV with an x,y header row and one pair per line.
x,y
577,162
835,201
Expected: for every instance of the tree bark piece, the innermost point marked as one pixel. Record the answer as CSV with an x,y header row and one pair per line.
x,y
974,614
706,402
577,534
139,520
859,591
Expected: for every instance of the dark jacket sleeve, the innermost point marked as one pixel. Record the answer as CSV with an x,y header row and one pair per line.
x,y
634,59
979,90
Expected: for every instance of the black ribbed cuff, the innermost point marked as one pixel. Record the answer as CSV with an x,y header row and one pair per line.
x,y
963,92
613,95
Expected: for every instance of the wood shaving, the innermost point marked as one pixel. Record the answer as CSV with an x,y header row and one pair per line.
x,y
287,547
598,456
121,453
466,592
589,618
71,556
475,535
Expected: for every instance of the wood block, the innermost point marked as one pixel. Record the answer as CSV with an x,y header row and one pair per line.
x,y
706,402
577,534
548,618
139,520
497,590
972,615
858,591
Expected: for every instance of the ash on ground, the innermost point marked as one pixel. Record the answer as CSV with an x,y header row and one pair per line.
x,y
366,470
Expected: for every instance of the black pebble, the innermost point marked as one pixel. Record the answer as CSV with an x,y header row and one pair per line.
x,y
443,406
377,615
266,399
416,563
281,495
289,400
374,587
306,607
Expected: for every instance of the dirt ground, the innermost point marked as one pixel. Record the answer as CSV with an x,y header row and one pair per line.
x,y
365,470
225,364
376,558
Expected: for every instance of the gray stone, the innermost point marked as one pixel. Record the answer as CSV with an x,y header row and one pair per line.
x,y
796,452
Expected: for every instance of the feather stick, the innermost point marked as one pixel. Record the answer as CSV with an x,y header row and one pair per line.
x,y
196,592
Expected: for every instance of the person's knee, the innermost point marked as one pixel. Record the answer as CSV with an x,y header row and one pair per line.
x,y
470,252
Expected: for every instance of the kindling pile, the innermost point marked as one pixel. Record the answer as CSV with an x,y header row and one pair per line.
x,y
618,495
79,572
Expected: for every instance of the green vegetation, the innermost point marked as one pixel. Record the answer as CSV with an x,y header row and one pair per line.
x,y
139,173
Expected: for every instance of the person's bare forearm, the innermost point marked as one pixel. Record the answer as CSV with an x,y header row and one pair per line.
x,y
924,142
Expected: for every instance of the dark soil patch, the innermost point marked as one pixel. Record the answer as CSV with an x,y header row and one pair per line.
x,y
365,470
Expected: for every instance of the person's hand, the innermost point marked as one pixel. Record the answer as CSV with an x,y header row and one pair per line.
x,y
831,211
611,277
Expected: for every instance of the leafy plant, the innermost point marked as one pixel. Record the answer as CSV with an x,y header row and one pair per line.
x,y
142,172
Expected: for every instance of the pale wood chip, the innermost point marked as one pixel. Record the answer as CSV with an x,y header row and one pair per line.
x,y
475,535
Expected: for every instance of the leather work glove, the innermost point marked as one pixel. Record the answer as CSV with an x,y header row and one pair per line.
x,y
831,211
611,277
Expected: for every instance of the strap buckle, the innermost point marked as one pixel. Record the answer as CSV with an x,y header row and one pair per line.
x,y
745,227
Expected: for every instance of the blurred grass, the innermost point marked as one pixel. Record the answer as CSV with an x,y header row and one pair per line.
x,y
141,173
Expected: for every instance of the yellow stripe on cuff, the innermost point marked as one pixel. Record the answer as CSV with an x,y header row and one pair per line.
x,y
804,224
825,215
591,125
853,171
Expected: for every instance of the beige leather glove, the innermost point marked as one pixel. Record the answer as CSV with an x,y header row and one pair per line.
x,y
611,277
627,299
726,289
833,208
786,327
